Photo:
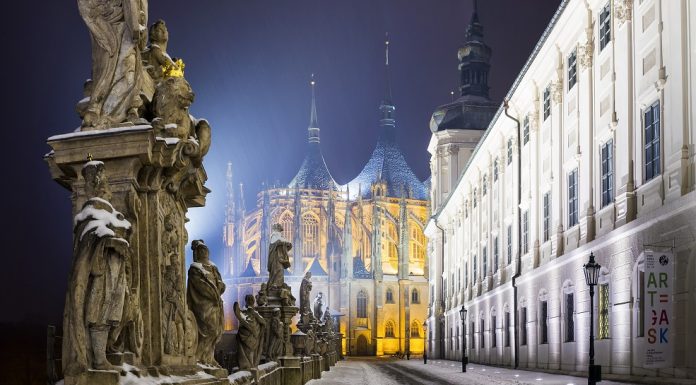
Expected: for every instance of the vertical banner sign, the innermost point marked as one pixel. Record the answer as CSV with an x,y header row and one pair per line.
x,y
659,318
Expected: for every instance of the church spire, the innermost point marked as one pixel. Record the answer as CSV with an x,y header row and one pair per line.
x,y
313,129
474,59
387,106
229,214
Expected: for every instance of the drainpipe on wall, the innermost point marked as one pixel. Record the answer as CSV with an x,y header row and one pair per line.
x,y
518,265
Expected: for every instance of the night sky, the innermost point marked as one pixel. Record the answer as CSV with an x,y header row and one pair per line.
x,y
249,63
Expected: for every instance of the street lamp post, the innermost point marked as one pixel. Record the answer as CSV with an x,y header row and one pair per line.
x,y
425,343
465,360
591,277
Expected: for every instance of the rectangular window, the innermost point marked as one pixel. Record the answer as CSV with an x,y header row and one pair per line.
x,y
507,329
543,323
570,323
495,170
525,232
509,151
603,313
484,273
604,26
573,198
523,326
652,141
472,339
572,69
362,305
607,154
547,216
547,102
496,261
494,339
482,334
509,244
525,131
474,276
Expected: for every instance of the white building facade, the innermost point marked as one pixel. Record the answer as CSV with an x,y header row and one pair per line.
x,y
605,151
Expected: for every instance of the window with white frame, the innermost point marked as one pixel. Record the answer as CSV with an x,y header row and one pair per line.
x,y
484,187
496,253
572,69
525,232
509,244
495,170
607,155
569,317
474,277
546,98
509,151
547,216
651,124
604,26
573,198
484,273
525,130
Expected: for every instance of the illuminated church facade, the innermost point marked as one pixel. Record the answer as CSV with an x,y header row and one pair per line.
x,y
362,241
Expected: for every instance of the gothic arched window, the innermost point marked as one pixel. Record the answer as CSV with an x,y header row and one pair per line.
x,y
390,296
389,329
415,329
310,233
415,297
362,304
286,221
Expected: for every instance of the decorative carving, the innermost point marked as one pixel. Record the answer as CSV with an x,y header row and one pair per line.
x,y
262,295
318,306
586,54
249,335
623,10
117,32
305,290
98,283
204,291
276,338
557,91
278,258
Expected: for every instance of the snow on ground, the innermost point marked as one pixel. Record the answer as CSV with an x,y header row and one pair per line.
x,y
372,371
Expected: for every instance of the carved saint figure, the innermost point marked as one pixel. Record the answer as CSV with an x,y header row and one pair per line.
x,y
174,317
319,306
262,295
275,336
278,258
155,57
305,290
250,334
204,291
98,283
117,28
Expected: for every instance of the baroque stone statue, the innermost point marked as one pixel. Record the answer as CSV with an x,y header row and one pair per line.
x,y
262,295
98,283
117,29
174,317
155,57
278,258
275,336
250,334
305,290
319,306
204,291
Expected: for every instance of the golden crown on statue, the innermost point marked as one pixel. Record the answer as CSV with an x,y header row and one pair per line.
x,y
175,70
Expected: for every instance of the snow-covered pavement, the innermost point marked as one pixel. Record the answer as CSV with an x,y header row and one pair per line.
x,y
387,371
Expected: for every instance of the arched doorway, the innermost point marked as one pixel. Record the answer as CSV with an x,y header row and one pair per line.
x,y
362,346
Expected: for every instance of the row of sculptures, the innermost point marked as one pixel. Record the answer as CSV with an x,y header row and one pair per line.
x,y
134,79
266,337
102,312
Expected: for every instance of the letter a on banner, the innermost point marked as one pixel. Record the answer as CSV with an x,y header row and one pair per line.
x,y
658,317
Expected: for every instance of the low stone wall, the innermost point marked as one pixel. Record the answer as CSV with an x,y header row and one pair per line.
x,y
241,378
270,374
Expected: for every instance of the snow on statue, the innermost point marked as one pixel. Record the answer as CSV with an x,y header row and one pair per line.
x,y
278,258
98,283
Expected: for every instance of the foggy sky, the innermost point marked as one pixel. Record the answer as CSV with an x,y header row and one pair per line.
x,y
249,64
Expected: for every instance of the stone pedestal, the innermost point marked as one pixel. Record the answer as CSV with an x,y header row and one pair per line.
x,y
317,364
292,370
153,181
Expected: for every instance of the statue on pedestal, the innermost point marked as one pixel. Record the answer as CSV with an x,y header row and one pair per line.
x,y
156,60
275,337
117,29
318,306
278,258
250,334
305,290
204,291
98,283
